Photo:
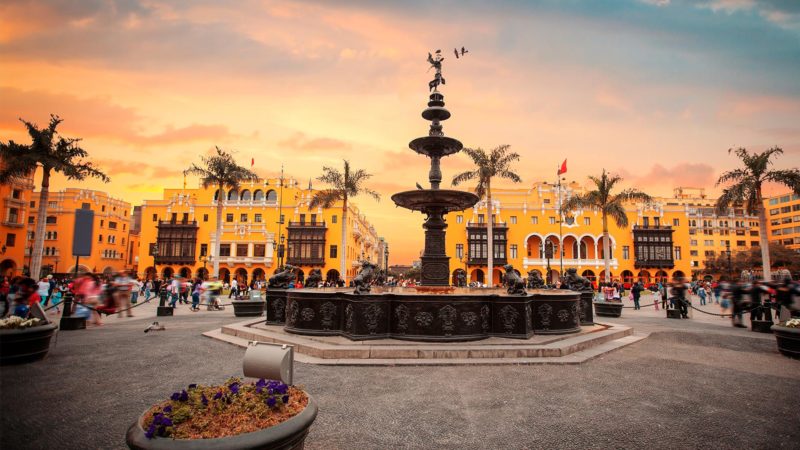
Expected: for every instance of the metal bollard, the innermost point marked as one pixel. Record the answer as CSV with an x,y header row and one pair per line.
x,y
67,321
163,309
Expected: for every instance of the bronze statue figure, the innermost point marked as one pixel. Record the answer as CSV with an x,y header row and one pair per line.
x,y
571,280
535,280
314,278
363,280
515,285
436,63
282,278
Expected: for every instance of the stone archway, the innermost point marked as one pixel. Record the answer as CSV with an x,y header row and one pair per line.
x,y
185,272
225,275
241,276
150,273
258,274
678,275
167,273
332,276
202,273
477,276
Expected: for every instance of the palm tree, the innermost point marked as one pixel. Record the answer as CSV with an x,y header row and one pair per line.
x,y
496,163
55,154
744,186
344,185
601,199
220,171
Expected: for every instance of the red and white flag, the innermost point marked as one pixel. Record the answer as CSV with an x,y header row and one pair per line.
x,y
252,162
563,168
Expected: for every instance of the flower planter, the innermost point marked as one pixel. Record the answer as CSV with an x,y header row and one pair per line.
x,y
288,435
25,345
608,309
248,308
788,340
761,326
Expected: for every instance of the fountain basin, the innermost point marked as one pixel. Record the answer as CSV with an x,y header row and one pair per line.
x,y
445,200
436,146
403,313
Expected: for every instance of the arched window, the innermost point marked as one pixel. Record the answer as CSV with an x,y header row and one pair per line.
x,y
216,195
246,196
258,195
272,196
233,194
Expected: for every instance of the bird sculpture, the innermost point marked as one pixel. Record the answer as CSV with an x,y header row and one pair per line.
x,y
154,327
419,186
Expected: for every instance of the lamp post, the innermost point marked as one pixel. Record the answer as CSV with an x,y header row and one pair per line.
x,y
560,233
279,248
56,268
730,265
548,253
30,260
155,261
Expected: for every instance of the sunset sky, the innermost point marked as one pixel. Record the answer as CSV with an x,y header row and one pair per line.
x,y
655,90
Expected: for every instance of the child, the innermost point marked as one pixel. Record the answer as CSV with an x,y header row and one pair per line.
x,y
656,299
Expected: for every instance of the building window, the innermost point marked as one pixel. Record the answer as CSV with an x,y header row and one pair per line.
x,y
693,242
459,251
123,227
31,220
754,244
241,250
334,219
99,238
243,218
677,253
676,222
513,251
459,218
52,204
534,220
334,249
225,250
112,225
11,239
33,204
552,220
13,215
645,222
259,250
708,243
16,193
205,217
112,239
587,220
103,208
481,218
203,249
741,243
155,217
626,252
51,219
229,217
692,252
513,220
257,217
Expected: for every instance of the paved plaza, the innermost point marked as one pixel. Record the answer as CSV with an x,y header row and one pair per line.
x,y
692,383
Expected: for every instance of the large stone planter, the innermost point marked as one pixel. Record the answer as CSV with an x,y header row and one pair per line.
x,y
608,309
788,340
585,308
25,345
289,435
248,308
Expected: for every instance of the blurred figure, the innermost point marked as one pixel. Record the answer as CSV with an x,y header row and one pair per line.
x,y
25,296
636,293
657,298
679,290
88,290
197,289
737,294
44,290
123,285
5,288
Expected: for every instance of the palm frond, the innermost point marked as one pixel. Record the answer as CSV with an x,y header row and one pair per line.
x,y
325,198
633,195
617,212
787,177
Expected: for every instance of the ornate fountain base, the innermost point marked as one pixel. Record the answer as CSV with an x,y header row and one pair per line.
x,y
464,315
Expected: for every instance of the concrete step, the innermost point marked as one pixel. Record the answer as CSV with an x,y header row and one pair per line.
x,y
501,349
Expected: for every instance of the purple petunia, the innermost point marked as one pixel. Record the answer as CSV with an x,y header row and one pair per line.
x,y
285,399
234,387
168,409
192,386
184,396
271,402
204,400
218,395
151,431
175,396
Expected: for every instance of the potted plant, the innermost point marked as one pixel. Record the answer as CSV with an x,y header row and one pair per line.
x,y
249,307
788,336
24,340
235,415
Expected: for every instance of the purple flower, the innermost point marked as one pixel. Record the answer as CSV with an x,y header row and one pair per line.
x,y
218,395
285,399
166,421
175,396
261,382
270,391
271,402
192,386
168,409
204,400
234,387
151,431
184,396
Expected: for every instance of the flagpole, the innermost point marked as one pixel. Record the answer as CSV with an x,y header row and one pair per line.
x,y
560,224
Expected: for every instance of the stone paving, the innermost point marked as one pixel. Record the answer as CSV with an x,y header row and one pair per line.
x,y
693,383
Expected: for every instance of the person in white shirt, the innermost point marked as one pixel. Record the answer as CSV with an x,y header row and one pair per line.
x,y
122,293
234,288
43,289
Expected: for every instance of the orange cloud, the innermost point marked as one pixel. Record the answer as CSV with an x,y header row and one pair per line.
x,y
299,141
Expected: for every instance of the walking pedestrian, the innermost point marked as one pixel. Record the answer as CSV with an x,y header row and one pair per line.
x,y
123,285
701,292
636,293
656,299
234,288
44,290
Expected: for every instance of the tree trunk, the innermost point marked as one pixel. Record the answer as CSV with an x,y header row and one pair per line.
x,y
606,249
38,238
489,240
766,266
218,238
343,249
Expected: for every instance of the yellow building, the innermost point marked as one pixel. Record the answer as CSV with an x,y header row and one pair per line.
x,y
258,220
783,219
660,243
16,197
111,232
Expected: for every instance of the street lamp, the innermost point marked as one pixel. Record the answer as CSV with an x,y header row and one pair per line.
x,y
279,248
548,253
56,268
155,262
730,265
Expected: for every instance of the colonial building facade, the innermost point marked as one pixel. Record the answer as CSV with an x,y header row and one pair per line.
x,y
16,197
783,219
265,223
666,239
